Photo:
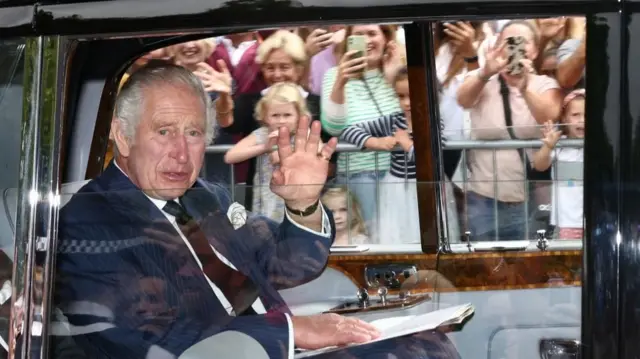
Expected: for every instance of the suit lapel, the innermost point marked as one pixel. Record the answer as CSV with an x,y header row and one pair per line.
x,y
209,210
124,196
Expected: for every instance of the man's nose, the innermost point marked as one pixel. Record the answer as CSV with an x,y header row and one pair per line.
x,y
179,149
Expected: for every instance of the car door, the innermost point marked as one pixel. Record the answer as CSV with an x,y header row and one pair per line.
x,y
501,281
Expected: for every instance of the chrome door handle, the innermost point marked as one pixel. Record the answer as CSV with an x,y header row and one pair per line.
x,y
559,349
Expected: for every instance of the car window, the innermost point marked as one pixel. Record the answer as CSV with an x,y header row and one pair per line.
x,y
512,149
11,72
373,194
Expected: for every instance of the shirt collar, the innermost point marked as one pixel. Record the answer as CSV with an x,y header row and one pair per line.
x,y
160,203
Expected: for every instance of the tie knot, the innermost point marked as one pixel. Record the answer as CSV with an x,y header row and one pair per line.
x,y
178,211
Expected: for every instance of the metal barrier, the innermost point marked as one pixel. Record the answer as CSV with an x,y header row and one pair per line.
x,y
464,145
467,145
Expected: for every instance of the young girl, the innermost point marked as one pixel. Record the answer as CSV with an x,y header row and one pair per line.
x,y
350,227
398,208
281,106
567,174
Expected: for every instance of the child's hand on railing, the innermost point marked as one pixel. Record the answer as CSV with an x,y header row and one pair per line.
x,y
551,135
381,143
403,139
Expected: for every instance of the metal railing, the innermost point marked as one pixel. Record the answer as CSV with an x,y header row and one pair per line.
x,y
497,145
464,145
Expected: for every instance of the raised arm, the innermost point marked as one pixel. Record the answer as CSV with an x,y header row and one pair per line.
x,y
543,158
572,56
249,147
334,107
471,89
375,134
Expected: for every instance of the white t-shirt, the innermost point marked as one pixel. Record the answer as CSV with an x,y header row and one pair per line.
x,y
567,172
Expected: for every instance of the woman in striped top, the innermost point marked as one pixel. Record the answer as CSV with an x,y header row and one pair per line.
x,y
398,196
356,91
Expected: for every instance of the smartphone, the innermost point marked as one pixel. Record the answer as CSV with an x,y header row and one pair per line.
x,y
515,53
357,43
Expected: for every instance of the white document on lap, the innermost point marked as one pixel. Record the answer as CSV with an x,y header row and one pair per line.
x,y
394,327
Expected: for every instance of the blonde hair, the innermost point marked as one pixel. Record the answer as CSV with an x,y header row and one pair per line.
x,y
283,40
281,93
208,48
356,224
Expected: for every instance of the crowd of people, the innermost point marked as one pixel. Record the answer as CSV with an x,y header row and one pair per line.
x,y
262,81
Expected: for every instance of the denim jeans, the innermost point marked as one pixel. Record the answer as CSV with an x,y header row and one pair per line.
x,y
481,212
364,186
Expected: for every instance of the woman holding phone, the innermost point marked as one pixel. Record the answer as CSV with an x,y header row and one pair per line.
x,y
355,91
530,101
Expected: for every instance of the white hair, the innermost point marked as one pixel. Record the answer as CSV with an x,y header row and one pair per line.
x,y
129,101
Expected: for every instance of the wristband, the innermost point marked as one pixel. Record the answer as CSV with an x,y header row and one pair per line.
x,y
471,60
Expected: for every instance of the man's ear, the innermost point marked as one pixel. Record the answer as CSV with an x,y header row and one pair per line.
x,y
122,143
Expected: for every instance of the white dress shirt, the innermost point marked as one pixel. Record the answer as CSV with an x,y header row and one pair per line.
x,y
257,306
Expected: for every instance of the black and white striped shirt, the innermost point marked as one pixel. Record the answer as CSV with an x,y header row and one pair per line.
x,y
403,163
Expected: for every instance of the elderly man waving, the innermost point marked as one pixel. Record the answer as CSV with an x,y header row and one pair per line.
x,y
152,259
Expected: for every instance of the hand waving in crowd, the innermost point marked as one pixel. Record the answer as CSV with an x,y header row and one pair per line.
x,y
495,60
551,27
215,81
318,40
463,37
551,135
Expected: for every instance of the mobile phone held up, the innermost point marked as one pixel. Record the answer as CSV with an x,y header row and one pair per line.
x,y
357,43
516,52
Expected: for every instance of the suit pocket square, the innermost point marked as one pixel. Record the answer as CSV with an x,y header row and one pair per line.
x,y
237,215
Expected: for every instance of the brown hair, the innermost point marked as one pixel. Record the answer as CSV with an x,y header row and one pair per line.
x,y
528,24
560,37
401,74
388,31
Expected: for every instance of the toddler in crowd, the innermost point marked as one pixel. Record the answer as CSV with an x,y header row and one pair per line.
x,y
567,174
282,106
350,227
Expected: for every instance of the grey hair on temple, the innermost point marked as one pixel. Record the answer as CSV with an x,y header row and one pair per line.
x,y
129,102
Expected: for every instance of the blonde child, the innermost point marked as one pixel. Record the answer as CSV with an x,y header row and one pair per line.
x,y
567,174
350,227
281,106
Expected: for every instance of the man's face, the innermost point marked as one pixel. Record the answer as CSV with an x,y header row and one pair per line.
x,y
167,152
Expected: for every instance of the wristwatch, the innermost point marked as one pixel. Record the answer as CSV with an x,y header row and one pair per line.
x,y
305,212
471,60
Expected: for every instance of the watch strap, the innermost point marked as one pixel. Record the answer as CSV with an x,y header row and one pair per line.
x,y
471,60
305,212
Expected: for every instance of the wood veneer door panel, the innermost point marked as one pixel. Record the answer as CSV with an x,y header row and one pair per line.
x,y
475,271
